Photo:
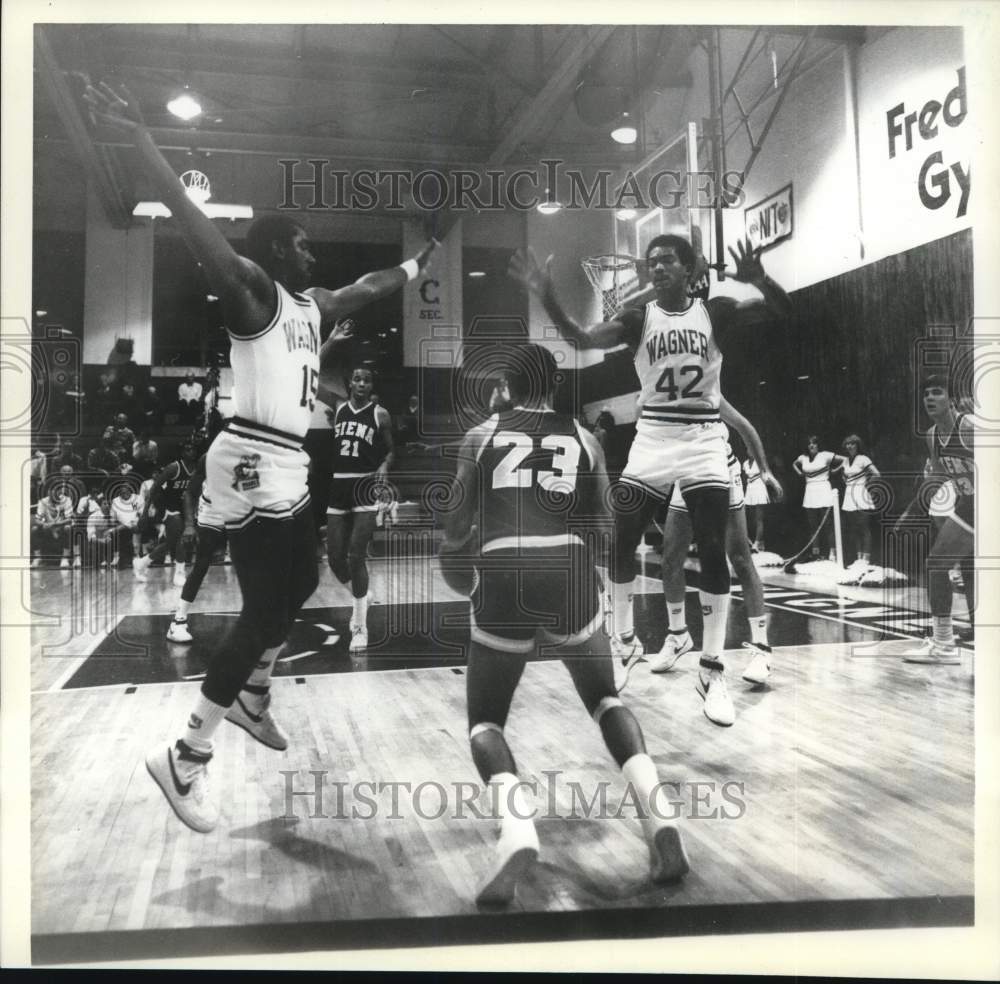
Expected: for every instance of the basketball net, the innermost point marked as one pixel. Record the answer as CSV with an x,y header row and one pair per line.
x,y
197,187
613,277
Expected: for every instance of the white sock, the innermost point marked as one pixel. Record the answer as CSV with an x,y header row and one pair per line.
x,y
758,629
621,601
515,803
944,633
715,611
205,718
640,773
182,609
360,616
261,676
675,616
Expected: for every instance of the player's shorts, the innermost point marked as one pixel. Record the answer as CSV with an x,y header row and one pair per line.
x,y
943,502
965,512
208,518
531,594
691,455
678,504
354,493
254,472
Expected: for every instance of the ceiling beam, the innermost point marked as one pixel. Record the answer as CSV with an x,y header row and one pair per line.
x,y
105,182
338,68
557,87
841,35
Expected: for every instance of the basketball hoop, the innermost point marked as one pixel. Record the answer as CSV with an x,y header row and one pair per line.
x,y
197,187
613,277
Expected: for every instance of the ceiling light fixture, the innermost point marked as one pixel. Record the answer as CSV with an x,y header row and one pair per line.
x,y
550,206
626,214
625,132
477,273
184,105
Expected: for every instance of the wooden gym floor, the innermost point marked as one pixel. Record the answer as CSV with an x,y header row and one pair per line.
x,y
842,797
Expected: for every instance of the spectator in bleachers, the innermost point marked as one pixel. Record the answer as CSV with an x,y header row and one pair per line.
x,y
103,458
130,405
74,487
101,528
105,401
145,454
119,437
76,402
152,414
126,509
189,399
408,426
67,456
51,527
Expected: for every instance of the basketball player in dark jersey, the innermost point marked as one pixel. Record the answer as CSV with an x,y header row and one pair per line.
x,y
950,443
208,533
362,456
256,471
167,495
532,488
675,342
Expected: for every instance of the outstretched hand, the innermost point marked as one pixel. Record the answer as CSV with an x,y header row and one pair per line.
x,y
343,330
115,108
749,269
525,270
426,255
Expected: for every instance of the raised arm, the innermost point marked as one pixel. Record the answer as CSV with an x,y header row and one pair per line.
x,y
246,291
728,313
459,522
343,332
335,305
731,416
624,328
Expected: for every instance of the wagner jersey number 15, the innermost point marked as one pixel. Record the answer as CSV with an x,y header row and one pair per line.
x,y
509,473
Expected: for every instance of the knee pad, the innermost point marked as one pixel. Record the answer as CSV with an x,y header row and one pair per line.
x,y
606,704
483,728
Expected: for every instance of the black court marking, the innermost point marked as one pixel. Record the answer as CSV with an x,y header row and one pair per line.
x,y
437,635
401,637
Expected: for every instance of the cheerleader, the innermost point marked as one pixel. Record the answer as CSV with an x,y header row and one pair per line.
x,y
814,466
858,508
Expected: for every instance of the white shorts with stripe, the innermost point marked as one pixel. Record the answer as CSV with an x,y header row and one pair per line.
x,y
208,517
692,456
255,472
678,504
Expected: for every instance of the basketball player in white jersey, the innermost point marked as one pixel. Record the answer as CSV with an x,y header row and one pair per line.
x,y
256,469
677,538
674,340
